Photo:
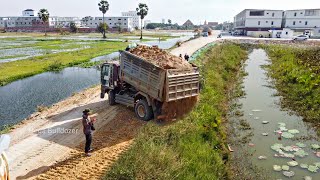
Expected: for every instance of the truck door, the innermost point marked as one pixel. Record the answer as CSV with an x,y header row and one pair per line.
x,y
105,75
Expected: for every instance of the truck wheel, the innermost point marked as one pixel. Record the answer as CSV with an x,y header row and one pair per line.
x,y
143,110
112,98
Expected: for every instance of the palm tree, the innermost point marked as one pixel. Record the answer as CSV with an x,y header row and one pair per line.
x,y
103,7
142,11
169,21
44,16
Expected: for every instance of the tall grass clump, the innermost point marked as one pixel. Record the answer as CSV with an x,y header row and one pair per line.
x,y
193,147
297,78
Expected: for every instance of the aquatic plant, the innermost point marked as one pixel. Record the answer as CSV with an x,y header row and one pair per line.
x,y
287,135
293,163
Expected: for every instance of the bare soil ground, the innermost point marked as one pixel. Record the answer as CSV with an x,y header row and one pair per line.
x,y
43,142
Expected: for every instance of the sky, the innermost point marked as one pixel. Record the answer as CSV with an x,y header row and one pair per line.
x,y
177,10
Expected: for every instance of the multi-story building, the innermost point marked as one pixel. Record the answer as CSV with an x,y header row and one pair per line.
x,y
30,21
258,20
136,21
264,20
304,19
124,22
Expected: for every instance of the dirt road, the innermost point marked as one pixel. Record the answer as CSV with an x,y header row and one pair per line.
x,y
191,47
49,145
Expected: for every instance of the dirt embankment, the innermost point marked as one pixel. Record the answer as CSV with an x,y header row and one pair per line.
x,y
49,140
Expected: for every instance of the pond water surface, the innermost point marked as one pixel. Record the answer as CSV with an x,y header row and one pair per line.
x,y
260,104
20,99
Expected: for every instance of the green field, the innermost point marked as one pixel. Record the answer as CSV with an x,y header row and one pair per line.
x,y
11,71
194,147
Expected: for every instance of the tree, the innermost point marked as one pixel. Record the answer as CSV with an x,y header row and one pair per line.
x,y
103,7
44,16
169,21
142,11
102,28
73,27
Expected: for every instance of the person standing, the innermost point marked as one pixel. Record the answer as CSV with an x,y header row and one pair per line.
x,y
88,127
186,57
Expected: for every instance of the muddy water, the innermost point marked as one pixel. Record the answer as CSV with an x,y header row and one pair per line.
x,y
20,99
260,96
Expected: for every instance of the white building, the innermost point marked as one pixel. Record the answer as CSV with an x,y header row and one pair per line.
x,y
258,20
125,23
304,19
136,21
29,12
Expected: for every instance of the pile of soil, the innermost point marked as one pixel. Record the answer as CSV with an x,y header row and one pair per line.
x,y
161,58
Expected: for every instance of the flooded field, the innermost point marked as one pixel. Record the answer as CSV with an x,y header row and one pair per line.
x,y
280,143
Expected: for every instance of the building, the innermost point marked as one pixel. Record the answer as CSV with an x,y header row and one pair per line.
x,y
29,12
136,21
300,20
213,24
114,23
264,20
258,20
29,21
163,21
188,23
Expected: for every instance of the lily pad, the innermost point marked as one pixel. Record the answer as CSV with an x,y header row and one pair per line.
x,y
288,148
301,145
293,163
262,157
285,168
317,164
287,135
315,146
294,131
304,166
265,134
276,147
282,124
256,118
301,153
288,173
256,110
277,168
307,178
313,168
265,122
283,129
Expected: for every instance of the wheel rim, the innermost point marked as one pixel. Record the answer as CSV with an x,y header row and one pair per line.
x,y
141,111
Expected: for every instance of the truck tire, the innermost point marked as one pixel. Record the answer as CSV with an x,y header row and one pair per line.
x,y
112,98
143,110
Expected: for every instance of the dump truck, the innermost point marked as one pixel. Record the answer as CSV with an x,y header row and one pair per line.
x,y
135,82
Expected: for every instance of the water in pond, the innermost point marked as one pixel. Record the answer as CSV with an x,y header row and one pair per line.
x,y
260,96
20,99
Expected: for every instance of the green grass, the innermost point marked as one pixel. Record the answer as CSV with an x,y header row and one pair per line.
x,y
15,70
194,147
10,57
297,78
